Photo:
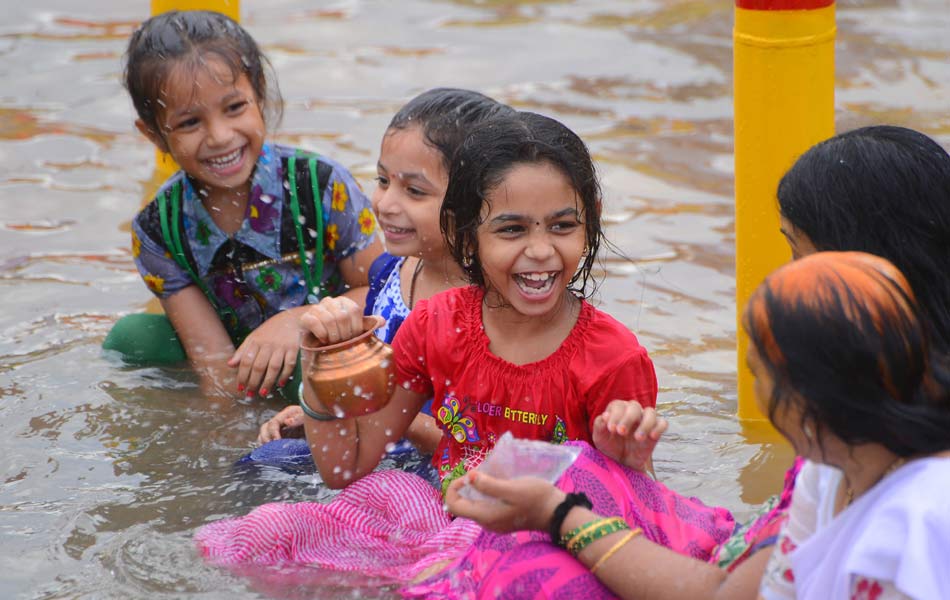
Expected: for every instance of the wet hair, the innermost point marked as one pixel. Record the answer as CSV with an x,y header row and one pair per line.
x,y
490,151
189,38
841,335
445,116
883,190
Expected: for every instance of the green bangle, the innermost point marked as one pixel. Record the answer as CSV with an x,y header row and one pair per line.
x,y
593,532
310,412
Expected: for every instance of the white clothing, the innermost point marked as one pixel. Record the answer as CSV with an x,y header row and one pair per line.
x,y
897,534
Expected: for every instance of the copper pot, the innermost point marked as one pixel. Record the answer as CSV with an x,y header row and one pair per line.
x,y
351,378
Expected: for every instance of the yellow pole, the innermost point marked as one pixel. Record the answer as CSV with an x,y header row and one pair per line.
x,y
165,166
783,53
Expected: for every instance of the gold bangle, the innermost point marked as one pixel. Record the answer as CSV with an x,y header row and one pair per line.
x,y
613,549
586,528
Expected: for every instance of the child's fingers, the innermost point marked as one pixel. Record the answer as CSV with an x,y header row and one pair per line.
x,y
647,421
312,322
331,322
347,318
290,416
600,426
290,363
258,370
355,317
622,416
244,368
660,428
274,368
235,359
269,432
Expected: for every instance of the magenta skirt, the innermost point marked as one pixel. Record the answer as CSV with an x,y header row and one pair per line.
x,y
527,565
392,526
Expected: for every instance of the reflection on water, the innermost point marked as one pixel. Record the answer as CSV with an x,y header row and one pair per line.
x,y
107,469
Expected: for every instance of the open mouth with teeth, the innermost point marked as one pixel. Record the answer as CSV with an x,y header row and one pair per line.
x,y
226,162
536,284
397,234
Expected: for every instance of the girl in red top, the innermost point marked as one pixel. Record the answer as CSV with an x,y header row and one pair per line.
x,y
520,350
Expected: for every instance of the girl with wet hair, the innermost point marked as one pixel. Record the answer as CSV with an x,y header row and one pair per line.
x,y
521,217
844,369
412,175
246,233
517,351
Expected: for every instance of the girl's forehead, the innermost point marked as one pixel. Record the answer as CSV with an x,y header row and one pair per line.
x,y
192,82
533,190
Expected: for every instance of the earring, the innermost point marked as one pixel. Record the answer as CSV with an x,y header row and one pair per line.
x,y
467,261
809,434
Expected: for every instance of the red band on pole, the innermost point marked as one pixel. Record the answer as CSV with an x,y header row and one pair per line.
x,y
783,4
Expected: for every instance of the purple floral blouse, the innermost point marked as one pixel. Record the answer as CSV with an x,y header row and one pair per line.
x,y
256,272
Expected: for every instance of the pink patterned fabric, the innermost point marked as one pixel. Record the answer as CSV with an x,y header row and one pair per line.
x,y
389,524
528,565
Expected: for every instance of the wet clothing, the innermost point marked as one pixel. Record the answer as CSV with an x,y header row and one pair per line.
x,y
526,565
442,350
384,297
267,265
391,525
891,542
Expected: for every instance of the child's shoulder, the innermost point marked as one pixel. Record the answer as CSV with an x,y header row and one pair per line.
x,y
600,325
605,342
383,265
456,299
454,310
281,152
149,217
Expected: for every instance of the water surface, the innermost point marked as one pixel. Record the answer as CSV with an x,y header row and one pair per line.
x,y
107,469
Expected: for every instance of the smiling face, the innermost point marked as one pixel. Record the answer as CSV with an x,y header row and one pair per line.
x,y
531,239
212,126
411,182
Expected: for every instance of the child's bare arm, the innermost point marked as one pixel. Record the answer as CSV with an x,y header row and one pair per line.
x,y
204,339
347,449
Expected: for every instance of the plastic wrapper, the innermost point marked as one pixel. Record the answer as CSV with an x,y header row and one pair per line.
x,y
512,458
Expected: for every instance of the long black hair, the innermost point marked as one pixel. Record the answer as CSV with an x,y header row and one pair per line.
x,y
490,151
884,190
190,37
841,336
445,116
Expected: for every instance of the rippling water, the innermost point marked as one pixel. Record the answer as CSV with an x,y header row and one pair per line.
x,y
107,469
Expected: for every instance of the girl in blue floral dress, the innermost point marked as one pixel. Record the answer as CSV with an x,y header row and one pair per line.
x,y
246,233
